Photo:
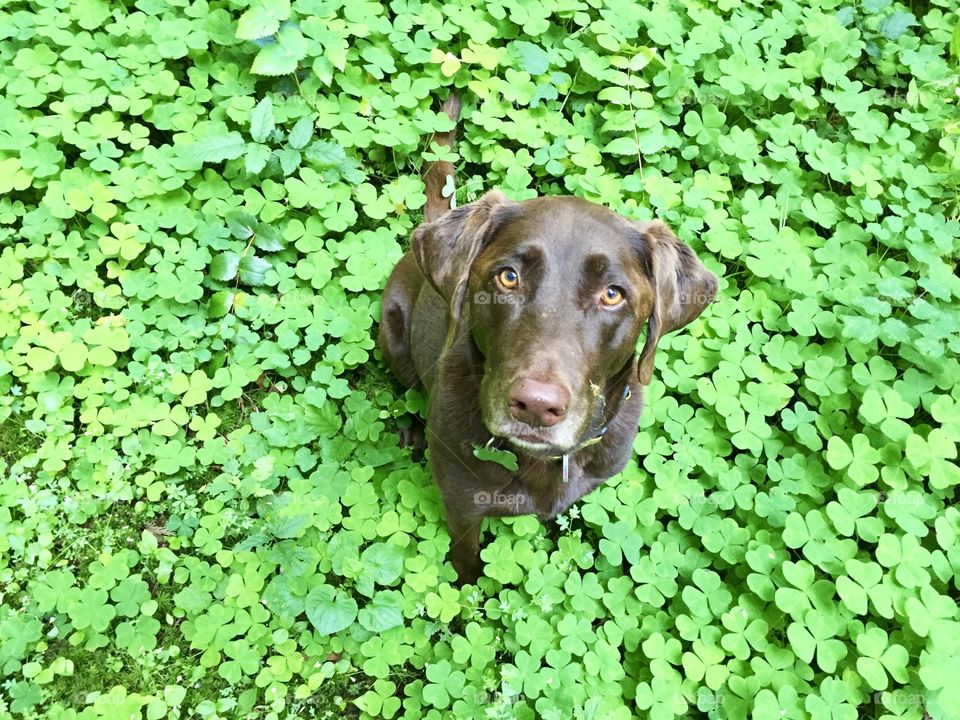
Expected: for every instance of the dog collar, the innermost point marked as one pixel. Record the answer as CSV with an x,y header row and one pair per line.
x,y
601,432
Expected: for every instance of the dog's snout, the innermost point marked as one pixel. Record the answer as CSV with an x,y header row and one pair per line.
x,y
538,403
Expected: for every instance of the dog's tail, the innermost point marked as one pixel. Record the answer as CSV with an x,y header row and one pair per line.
x,y
436,174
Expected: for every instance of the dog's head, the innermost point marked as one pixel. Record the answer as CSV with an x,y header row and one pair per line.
x,y
555,293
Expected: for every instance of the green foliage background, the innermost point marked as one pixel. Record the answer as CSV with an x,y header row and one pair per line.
x,y
202,509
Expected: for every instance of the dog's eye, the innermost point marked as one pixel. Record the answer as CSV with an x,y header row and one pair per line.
x,y
612,296
508,278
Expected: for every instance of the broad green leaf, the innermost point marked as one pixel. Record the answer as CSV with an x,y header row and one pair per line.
x,y
329,609
385,611
533,58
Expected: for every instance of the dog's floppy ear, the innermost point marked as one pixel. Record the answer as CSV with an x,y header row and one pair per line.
x,y
446,248
683,287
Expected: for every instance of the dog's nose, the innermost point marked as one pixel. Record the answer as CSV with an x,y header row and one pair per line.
x,y
538,404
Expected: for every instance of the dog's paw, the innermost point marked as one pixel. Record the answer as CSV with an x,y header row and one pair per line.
x,y
414,437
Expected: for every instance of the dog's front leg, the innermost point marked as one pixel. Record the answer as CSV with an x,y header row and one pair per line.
x,y
461,487
464,532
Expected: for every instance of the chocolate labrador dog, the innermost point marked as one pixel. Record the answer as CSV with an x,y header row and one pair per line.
x,y
521,320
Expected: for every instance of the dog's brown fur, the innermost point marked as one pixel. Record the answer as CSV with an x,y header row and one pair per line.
x,y
450,326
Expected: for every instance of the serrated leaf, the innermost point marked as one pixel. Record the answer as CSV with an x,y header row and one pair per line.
x,y
256,158
268,238
626,145
224,266
241,225
273,60
217,148
289,159
253,270
282,56
301,133
262,19
261,120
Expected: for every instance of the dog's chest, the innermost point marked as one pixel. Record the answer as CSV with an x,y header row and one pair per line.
x,y
542,484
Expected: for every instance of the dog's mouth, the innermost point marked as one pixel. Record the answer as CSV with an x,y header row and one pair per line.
x,y
538,442
532,444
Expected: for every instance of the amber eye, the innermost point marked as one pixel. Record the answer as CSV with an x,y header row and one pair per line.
x,y
508,278
612,296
